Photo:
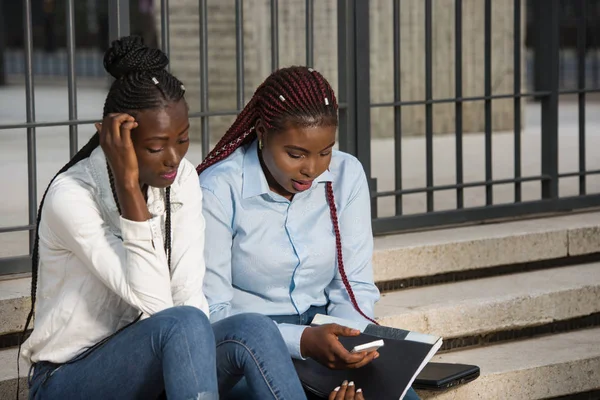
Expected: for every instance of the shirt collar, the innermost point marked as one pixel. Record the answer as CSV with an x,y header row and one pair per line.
x,y
254,180
326,176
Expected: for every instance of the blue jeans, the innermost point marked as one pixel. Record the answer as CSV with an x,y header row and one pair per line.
x,y
174,352
250,346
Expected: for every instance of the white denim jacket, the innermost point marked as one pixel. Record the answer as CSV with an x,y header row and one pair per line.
x,y
98,271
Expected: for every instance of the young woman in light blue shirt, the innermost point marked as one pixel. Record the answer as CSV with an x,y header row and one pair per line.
x,y
289,220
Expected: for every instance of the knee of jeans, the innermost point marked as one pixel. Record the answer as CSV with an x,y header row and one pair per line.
x,y
190,319
258,323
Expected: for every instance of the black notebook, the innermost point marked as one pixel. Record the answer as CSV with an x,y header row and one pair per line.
x,y
402,357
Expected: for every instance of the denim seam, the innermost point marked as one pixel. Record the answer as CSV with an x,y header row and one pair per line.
x,y
255,361
187,345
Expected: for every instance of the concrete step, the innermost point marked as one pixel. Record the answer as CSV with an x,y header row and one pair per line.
x,y
441,251
15,302
540,368
494,304
423,254
8,375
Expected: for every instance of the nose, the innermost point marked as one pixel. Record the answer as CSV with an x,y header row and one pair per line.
x,y
309,168
172,158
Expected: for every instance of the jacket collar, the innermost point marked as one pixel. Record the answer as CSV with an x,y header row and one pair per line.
x,y
156,197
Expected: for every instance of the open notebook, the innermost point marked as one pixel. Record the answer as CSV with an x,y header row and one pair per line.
x,y
402,357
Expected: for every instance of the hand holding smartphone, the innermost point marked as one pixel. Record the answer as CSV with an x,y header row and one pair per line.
x,y
368,347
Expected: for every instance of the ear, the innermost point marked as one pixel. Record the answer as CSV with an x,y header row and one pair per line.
x,y
261,130
98,126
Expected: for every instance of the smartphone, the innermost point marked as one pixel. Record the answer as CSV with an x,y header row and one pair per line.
x,y
368,347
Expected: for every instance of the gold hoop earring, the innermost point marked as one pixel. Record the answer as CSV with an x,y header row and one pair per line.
x,y
260,144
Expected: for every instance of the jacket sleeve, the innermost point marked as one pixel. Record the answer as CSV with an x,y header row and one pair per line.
x,y
134,266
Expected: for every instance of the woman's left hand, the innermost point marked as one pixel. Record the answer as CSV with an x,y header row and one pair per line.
x,y
346,391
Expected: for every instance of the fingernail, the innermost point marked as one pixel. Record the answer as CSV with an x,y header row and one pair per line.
x,y
345,383
337,389
376,355
351,383
358,390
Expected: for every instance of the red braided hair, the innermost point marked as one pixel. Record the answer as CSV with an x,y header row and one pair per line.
x,y
295,96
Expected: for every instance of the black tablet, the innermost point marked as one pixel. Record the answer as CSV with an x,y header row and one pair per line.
x,y
442,376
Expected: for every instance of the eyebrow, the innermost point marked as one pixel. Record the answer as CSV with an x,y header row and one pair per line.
x,y
292,147
165,137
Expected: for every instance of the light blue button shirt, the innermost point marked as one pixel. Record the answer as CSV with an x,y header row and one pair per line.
x,y
269,255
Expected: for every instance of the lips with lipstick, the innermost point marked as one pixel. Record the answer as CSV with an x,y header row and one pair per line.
x,y
301,186
170,176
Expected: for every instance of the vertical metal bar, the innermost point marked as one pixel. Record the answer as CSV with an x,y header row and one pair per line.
x,y
310,29
428,106
458,106
2,45
164,28
118,19
488,102
595,65
346,76
362,82
517,99
397,109
72,85
239,52
562,83
274,35
204,128
30,111
362,61
581,45
549,51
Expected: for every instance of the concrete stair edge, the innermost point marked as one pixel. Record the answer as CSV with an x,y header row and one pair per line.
x,y
494,304
538,368
441,251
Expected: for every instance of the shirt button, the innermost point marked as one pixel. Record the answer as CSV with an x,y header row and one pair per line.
x,y
159,209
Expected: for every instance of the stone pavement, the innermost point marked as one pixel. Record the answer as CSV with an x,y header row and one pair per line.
x,y
52,152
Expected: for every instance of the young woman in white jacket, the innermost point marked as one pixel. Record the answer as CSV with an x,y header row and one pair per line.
x,y
118,263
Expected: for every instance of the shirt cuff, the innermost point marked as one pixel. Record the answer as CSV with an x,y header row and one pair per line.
x,y
291,335
140,230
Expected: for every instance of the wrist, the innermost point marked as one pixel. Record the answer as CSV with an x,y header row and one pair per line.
x,y
305,339
127,184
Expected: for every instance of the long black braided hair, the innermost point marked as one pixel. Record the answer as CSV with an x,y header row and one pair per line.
x,y
141,83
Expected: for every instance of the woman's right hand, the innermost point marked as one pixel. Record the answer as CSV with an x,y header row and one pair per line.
x,y
346,391
321,344
115,140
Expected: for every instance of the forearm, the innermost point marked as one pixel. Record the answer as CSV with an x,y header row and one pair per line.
x,y
131,201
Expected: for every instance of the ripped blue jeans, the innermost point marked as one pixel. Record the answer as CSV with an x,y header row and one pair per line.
x,y
176,352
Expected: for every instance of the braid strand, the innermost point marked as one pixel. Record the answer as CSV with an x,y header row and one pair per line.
x,y
340,258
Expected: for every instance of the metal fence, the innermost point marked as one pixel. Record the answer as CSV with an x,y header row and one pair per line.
x,y
354,94
547,61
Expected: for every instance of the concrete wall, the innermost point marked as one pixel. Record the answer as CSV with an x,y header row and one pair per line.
x,y
257,60
412,39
